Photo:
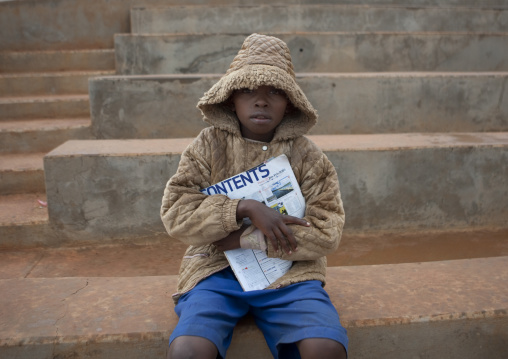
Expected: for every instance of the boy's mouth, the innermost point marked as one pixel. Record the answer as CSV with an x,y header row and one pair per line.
x,y
260,117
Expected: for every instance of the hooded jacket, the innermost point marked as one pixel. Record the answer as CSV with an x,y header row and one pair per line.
x,y
220,152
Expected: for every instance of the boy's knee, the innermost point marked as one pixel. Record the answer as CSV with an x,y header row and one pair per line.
x,y
322,348
189,347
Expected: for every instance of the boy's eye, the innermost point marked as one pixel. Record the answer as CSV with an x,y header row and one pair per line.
x,y
277,92
245,90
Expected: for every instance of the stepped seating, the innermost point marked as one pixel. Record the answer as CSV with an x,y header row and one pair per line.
x,y
426,102
383,307
95,186
424,152
142,54
315,18
44,102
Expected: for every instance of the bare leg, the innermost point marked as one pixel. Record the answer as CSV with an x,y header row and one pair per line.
x,y
321,348
187,347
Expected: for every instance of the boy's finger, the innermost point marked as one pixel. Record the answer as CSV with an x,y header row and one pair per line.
x,y
290,238
282,240
295,220
275,243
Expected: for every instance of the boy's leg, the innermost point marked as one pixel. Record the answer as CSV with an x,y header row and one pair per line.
x,y
300,316
192,347
321,348
208,314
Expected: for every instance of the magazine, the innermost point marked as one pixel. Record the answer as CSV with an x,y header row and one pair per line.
x,y
274,184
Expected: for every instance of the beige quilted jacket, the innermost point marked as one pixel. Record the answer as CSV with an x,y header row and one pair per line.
x,y
220,152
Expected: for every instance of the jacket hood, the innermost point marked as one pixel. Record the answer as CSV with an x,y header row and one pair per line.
x,y
262,61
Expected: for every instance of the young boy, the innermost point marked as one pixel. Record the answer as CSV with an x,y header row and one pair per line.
x,y
256,111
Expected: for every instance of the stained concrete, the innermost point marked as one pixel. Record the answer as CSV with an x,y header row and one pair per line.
x,y
70,24
145,106
323,17
36,107
113,188
57,60
161,255
21,173
444,304
317,52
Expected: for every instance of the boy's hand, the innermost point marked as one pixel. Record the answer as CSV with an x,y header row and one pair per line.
x,y
271,223
231,241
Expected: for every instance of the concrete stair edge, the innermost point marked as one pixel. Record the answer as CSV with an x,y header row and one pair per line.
x,y
122,106
468,162
380,305
332,17
41,83
338,52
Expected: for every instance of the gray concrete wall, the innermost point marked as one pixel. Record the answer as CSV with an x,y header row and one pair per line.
x,y
350,18
165,106
317,52
75,24
113,188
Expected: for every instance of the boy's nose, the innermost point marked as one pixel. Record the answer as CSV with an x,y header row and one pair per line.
x,y
261,101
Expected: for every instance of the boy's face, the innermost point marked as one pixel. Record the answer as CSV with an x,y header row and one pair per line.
x,y
260,111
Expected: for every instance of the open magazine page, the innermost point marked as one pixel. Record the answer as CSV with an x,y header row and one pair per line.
x,y
274,184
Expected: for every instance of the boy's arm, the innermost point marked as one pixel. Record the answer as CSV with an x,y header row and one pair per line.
x,y
189,215
324,210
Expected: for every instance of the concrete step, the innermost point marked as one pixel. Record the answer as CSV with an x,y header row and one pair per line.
x,y
159,255
23,136
23,223
317,52
21,173
54,61
282,18
392,182
60,83
142,106
33,107
71,24
383,307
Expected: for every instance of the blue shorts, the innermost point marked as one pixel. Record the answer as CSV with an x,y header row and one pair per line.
x,y
285,316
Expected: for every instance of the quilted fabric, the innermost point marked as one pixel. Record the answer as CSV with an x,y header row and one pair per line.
x,y
220,152
262,60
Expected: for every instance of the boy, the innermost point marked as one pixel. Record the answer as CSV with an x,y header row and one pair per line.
x,y
257,111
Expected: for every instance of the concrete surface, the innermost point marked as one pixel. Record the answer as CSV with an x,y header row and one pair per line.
x,y
41,135
443,304
53,61
160,255
49,106
113,188
144,106
21,173
317,52
71,24
56,83
282,18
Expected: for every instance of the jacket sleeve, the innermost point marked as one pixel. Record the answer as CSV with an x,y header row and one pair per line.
x,y
189,215
324,210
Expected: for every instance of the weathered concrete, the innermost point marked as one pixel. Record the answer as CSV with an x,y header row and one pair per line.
x,y
37,107
317,52
161,255
59,83
29,136
52,61
164,106
71,24
456,309
21,173
113,188
283,18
